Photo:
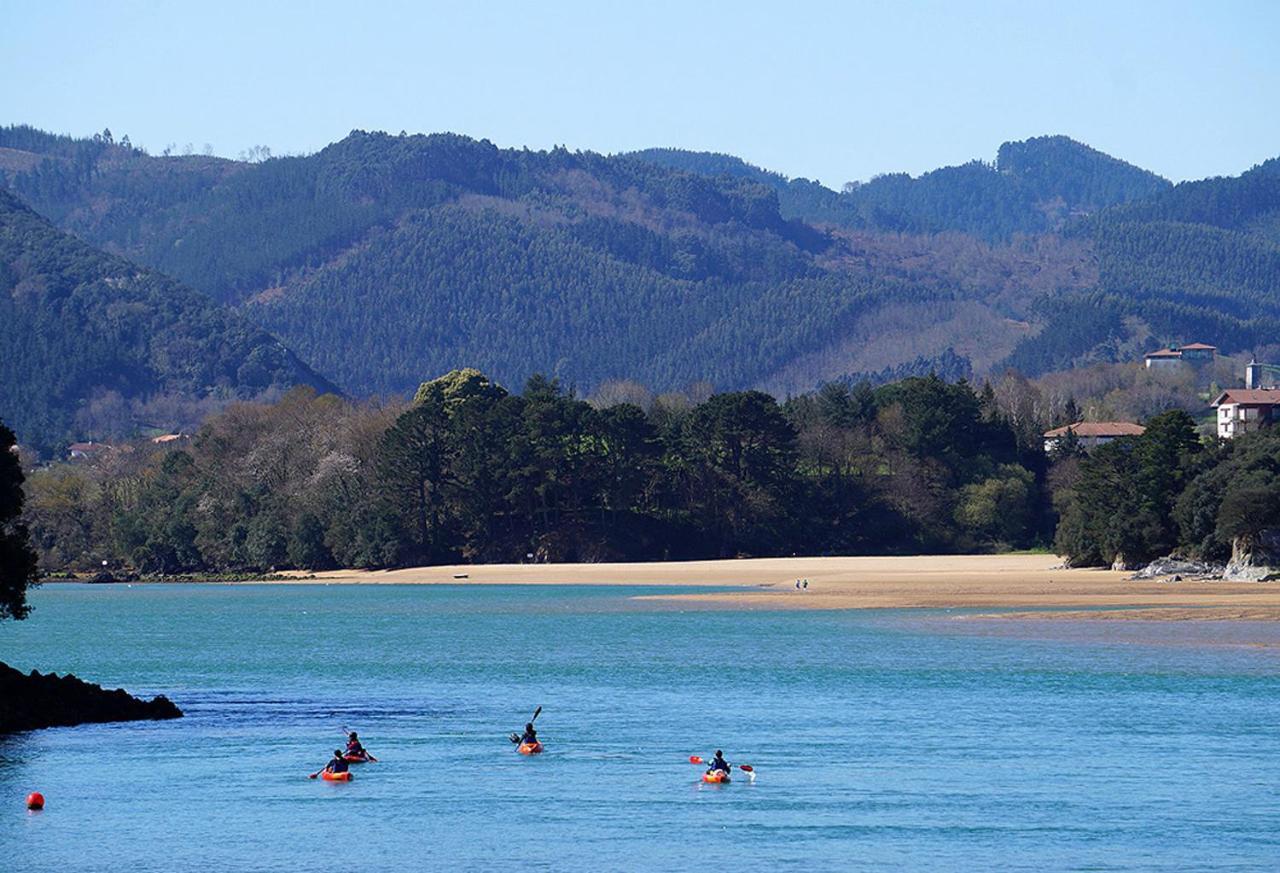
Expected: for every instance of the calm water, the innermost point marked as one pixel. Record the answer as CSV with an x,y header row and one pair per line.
x,y
882,739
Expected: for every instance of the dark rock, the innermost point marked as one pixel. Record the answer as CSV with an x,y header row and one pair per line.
x,y
46,700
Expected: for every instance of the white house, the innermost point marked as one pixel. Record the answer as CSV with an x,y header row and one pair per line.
x,y
1175,356
1092,433
1241,410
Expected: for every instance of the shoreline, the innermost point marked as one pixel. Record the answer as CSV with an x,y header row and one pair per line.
x,y
1034,584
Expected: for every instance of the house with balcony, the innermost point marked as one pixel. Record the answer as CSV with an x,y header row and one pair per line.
x,y
1242,410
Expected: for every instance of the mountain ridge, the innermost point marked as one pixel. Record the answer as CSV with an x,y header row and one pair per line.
x,y
89,341
382,259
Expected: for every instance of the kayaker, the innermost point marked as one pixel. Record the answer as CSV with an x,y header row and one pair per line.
x,y
337,765
354,747
529,736
719,763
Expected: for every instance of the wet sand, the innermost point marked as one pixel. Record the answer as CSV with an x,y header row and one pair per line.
x,y
1021,582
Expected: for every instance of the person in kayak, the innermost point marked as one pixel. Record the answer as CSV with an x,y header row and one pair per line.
x,y
529,736
337,765
354,747
719,763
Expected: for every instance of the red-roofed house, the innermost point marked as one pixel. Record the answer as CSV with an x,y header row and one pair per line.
x,y
1191,353
86,450
1241,410
1092,433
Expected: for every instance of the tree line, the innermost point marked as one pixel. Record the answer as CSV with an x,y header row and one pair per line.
x,y
470,472
1168,492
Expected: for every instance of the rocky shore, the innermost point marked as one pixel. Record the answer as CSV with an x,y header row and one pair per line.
x,y
35,700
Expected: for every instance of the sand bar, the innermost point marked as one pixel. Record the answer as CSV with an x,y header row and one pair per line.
x,y
1024,582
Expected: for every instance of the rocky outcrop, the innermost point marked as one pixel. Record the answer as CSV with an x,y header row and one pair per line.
x,y
1254,559
1178,567
28,702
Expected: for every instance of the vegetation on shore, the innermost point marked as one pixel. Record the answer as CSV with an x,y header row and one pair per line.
x,y
18,567
471,472
1140,498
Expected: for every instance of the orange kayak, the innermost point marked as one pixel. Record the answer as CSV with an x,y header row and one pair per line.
x,y
716,777
356,759
530,748
336,777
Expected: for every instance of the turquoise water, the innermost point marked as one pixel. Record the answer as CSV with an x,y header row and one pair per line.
x,y
882,740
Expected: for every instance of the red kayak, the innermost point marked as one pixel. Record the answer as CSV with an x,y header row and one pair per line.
x,y
716,777
336,777
530,748
357,759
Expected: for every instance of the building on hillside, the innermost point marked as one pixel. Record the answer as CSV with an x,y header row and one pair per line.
x,y
1242,410
1258,375
1091,434
1175,356
80,451
166,438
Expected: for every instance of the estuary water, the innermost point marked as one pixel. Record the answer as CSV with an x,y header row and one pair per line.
x,y
884,739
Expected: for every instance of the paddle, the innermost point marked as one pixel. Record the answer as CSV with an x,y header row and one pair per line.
x,y
367,756
515,737
745,768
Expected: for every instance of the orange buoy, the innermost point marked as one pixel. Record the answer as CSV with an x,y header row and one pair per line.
x,y
35,800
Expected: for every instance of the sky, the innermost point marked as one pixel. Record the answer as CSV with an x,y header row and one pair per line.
x,y
834,91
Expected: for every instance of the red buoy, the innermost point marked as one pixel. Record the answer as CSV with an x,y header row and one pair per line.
x,y
35,800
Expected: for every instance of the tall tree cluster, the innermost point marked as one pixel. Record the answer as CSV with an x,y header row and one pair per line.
x,y
471,472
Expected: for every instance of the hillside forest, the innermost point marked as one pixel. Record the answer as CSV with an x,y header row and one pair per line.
x,y
383,257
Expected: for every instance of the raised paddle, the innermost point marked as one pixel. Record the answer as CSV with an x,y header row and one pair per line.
x,y
515,737
368,756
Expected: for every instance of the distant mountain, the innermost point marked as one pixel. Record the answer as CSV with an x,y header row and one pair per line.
x,y
1033,187
384,259
1200,259
89,342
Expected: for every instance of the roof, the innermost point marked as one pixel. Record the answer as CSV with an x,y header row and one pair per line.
x,y
1249,396
1164,353
168,438
88,447
1100,429
1204,347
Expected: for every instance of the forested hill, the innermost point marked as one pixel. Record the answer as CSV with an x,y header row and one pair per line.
x,y
92,345
1034,186
381,258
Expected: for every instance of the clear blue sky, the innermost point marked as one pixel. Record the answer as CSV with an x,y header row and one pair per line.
x,y
833,91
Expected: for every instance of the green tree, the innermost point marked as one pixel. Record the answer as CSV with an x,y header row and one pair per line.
x,y
17,559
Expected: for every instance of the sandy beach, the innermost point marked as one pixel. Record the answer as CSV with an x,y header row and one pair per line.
x,y
1022,582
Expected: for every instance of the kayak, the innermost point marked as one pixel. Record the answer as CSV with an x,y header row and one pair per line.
x,y
356,759
716,777
336,777
530,748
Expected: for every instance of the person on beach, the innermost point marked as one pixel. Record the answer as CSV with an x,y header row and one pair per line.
x,y
719,763
529,736
337,765
354,747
